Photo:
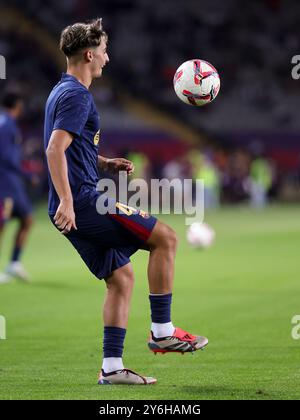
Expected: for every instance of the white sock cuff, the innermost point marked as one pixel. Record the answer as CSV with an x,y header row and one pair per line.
x,y
110,364
162,330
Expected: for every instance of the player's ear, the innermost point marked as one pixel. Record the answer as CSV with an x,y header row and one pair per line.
x,y
88,55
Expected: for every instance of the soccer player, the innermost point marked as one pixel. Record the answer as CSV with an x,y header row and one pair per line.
x,y
105,242
13,198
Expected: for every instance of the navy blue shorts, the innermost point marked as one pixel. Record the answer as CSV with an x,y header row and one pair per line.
x,y
106,242
17,206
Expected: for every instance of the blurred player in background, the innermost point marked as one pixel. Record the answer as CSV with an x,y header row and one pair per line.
x,y
13,198
105,242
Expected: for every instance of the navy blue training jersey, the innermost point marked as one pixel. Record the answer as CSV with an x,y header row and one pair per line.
x,y
10,156
71,107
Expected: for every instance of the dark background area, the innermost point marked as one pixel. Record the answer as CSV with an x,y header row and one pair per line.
x,y
250,44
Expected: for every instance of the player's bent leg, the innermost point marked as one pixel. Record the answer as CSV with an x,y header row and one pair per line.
x,y
162,244
115,314
164,337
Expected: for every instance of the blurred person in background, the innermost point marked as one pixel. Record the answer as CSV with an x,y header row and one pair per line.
x,y
13,198
204,169
174,170
235,180
142,168
141,165
210,176
260,182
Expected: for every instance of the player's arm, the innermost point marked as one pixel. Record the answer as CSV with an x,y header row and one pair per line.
x,y
60,140
115,165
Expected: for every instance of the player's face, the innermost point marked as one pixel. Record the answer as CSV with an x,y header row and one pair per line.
x,y
100,59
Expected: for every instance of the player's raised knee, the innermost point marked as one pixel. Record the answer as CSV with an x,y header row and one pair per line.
x,y
163,236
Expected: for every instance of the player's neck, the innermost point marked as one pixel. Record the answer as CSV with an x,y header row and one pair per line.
x,y
81,74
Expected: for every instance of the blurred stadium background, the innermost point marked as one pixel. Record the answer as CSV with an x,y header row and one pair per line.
x,y
245,144
256,111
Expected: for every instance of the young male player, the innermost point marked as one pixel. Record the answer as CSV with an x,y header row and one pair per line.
x,y
13,198
105,242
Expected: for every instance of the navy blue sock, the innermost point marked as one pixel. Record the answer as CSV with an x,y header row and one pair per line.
x,y
16,254
113,342
161,308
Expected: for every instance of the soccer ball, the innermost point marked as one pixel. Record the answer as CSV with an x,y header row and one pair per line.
x,y
196,82
200,235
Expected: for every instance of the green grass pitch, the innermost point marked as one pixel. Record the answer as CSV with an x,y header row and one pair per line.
x,y
241,294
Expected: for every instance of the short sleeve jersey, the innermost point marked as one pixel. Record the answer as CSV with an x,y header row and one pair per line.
x,y
70,107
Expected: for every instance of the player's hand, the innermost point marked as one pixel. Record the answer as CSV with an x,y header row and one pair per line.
x,y
119,164
65,217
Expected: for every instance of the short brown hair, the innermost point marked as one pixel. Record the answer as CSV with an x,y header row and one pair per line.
x,y
78,36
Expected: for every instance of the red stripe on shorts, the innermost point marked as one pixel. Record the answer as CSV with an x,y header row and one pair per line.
x,y
133,227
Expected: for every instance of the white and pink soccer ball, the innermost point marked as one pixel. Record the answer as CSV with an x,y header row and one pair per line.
x,y
200,235
196,82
